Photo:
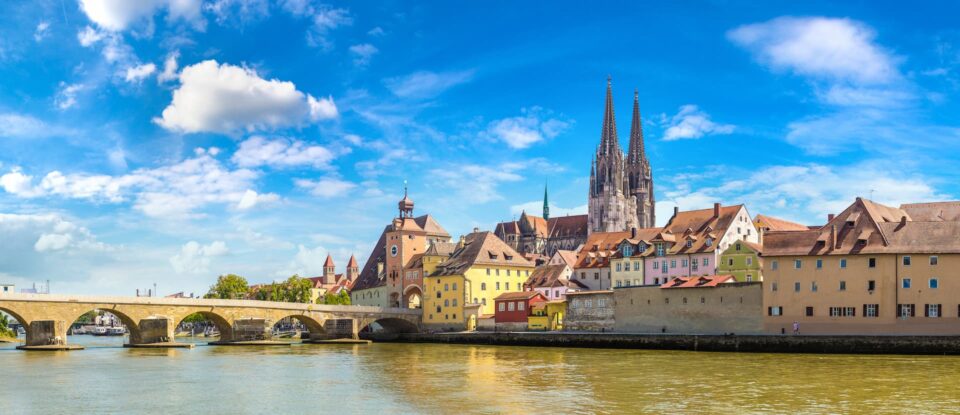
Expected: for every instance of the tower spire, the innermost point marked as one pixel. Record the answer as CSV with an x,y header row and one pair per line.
x,y
636,152
608,137
546,205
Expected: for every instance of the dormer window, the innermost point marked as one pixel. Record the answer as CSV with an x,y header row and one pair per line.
x,y
627,250
661,250
709,242
689,244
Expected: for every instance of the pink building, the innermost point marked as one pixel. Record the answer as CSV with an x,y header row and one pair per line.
x,y
691,242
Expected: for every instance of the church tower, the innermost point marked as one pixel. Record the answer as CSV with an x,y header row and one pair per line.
x,y
546,205
612,207
639,177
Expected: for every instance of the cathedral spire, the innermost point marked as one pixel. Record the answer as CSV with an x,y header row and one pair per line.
x,y
608,137
636,152
546,205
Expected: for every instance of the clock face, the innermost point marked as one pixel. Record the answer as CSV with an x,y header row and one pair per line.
x,y
393,250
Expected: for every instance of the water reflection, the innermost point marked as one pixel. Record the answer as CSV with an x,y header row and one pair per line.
x,y
425,378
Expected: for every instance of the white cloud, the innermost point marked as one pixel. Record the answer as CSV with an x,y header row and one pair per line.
x,y
52,242
89,36
238,12
376,31
24,126
533,126
425,84
691,122
805,193
228,99
363,53
67,95
477,183
259,151
50,233
195,258
326,187
251,198
176,190
169,68
837,49
119,15
137,74
306,263
42,31
326,19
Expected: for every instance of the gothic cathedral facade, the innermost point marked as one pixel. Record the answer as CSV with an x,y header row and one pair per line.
x,y
621,186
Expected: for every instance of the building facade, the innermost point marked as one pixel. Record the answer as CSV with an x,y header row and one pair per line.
x,y
742,260
626,264
534,235
700,305
513,309
481,268
621,187
553,281
593,260
590,311
872,269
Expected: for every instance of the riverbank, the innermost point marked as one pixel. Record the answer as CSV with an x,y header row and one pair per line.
x,y
4,339
912,345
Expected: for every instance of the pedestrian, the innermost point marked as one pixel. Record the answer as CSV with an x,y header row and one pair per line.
x,y
796,328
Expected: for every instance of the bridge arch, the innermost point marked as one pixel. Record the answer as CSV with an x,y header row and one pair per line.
x,y
220,322
314,326
413,297
132,325
387,327
17,316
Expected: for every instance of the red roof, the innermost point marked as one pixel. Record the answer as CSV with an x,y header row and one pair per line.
x,y
519,295
328,262
352,263
694,282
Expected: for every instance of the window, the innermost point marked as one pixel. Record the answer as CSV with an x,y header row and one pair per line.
x,y
587,303
520,306
636,265
813,286
454,303
454,286
673,263
618,267
596,275
693,265
684,300
601,302
797,263
906,310
843,285
703,300
906,260
438,294
796,287
498,285
843,311
660,250
730,262
905,283
773,265
483,286
510,306
663,268
501,307
508,271
749,261
706,262
738,245
843,262
773,286
583,275
871,285
684,263
446,287
488,271
627,250
872,262
689,244
933,310
819,263
749,277
934,283
619,283
809,311
454,316
483,301
933,260
446,303
871,310
774,311
497,271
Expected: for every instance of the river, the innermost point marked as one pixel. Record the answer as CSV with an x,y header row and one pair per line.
x,y
449,379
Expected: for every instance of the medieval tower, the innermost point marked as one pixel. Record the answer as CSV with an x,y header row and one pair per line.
x,y
621,187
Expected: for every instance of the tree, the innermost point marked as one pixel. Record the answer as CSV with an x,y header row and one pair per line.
x,y
194,318
88,318
297,290
5,330
344,298
229,287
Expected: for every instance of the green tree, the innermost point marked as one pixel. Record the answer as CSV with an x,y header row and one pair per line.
x,y
5,330
88,318
296,290
344,298
229,287
194,318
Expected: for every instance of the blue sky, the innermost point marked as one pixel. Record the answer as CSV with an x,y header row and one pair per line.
x,y
169,141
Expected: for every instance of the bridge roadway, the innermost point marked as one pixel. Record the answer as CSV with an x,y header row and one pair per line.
x,y
152,321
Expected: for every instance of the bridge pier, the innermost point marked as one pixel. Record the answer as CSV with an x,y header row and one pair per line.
x,y
249,332
48,335
155,333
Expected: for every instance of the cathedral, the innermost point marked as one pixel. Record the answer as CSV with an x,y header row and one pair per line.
x,y
621,186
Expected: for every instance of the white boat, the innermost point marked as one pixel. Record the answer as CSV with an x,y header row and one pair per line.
x,y
99,330
116,331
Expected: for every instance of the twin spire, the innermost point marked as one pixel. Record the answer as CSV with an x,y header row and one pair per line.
x,y
609,141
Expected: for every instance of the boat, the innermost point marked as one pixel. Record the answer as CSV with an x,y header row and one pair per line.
x,y
116,331
99,331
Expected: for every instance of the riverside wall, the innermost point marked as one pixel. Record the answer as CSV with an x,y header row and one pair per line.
x,y
939,345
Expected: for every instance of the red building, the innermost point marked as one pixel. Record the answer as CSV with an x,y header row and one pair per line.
x,y
512,309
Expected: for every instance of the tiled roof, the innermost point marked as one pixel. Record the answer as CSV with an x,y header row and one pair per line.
x,y
519,295
867,227
481,248
546,276
695,282
441,249
328,262
568,257
697,231
353,262
933,212
556,227
645,235
430,226
771,223
566,226
368,275
599,247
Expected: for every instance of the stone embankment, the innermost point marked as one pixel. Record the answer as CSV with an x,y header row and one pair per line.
x,y
940,345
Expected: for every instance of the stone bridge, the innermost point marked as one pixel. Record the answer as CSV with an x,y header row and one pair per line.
x,y
152,321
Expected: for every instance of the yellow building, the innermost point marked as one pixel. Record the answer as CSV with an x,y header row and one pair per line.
x,y
547,316
872,269
481,268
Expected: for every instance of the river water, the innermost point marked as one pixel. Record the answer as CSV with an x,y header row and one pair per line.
x,y
450,379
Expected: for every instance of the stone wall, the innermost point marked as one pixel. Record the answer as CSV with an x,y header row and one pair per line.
x,y
589,311
727,308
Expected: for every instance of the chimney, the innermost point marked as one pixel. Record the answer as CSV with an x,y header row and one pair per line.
x,y
716,210
760,235
475,230
833,237
633,233
463,241
676,210
830,217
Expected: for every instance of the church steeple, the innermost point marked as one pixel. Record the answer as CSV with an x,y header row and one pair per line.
x,y
609,142
636,152
546,204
